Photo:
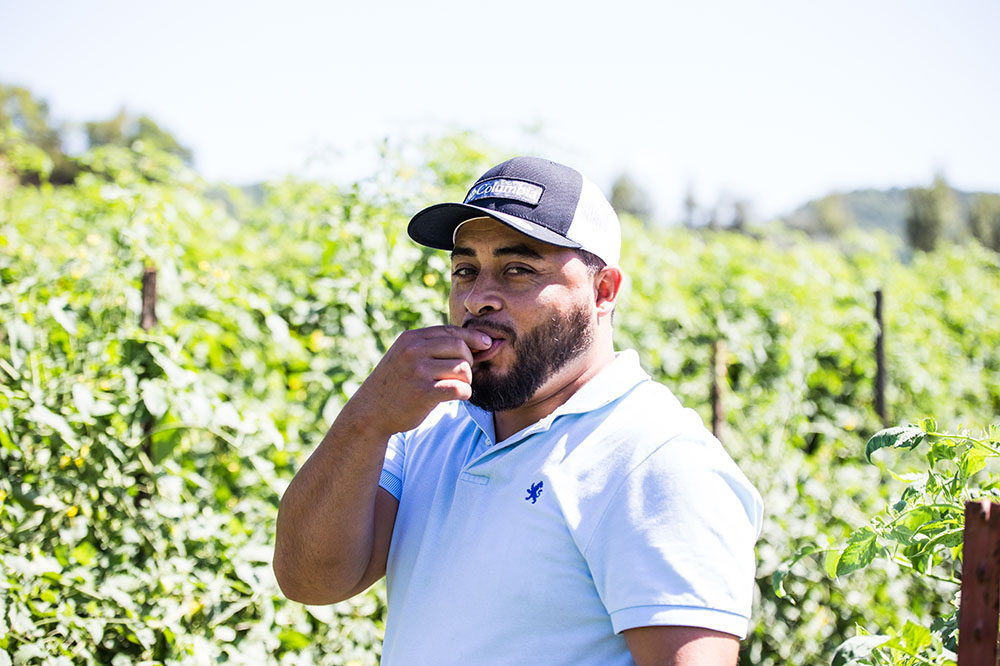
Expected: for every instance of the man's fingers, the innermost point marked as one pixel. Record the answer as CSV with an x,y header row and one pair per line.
x,y
453,389
441,342
422,368
473,339
451,369
476,339
449,349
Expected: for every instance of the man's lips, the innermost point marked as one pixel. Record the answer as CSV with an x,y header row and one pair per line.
x,y
498,335
487,354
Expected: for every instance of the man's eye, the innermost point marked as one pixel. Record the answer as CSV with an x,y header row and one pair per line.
x,y
462,271
519,270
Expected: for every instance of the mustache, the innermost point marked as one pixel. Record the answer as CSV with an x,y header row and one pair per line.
x,y
486,325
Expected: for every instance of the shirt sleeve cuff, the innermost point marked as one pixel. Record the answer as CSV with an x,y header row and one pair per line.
x,y
392,483
685,616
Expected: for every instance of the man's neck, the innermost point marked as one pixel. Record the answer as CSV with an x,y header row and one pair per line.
x,y
554,392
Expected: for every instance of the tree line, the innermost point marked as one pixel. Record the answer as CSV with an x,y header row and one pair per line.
x,y
33,150
33,144
924,217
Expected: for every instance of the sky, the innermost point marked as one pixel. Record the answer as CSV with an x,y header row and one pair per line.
x,y
771,102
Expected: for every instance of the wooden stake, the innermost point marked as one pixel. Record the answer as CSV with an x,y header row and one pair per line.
x,y
148,319
980,601
880,361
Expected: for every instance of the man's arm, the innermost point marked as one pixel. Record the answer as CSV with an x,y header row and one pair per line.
x,y
334,522
681,646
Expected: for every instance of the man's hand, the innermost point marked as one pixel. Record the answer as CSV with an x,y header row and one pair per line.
x,y
423,367
334,522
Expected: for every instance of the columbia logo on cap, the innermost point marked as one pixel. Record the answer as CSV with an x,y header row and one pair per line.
x,y
505,188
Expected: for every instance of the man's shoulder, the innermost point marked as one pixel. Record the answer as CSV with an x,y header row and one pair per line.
x,y
652,410
648,427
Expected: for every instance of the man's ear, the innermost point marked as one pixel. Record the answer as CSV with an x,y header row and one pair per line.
x,y
607,282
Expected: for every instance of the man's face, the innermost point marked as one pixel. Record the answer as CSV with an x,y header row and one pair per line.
x,y
535,300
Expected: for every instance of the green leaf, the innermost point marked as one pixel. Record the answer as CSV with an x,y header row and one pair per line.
x,y
854,649
778,582
919,519
943,449
929,424
294,640
902,534
971,462
915,637
84,553
831,559
861,550
898,437
913,491
993,433
778,577
921,561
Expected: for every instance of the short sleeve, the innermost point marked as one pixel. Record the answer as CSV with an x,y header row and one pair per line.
x,y
392,468
675,545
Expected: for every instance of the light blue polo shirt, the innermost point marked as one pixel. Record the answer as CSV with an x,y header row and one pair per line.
x,y
618,510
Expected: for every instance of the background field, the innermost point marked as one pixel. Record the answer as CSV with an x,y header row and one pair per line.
x,y
140,470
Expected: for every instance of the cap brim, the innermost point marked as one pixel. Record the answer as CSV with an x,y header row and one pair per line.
x,y
435,226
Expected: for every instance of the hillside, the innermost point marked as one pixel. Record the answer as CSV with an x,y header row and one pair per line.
x,y
870,209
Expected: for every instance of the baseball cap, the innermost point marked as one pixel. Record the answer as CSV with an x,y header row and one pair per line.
x,y
548,201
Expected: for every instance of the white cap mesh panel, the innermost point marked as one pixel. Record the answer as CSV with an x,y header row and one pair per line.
x,y
595,225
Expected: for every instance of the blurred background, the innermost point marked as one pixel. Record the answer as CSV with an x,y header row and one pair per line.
x,y
202,255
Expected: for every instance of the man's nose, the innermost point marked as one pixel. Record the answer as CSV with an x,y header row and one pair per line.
x,y
483,296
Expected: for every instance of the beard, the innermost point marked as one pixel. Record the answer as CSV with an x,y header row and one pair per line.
x,y
538,354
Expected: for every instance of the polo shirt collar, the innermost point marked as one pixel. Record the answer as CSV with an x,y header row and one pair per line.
x,y
612,382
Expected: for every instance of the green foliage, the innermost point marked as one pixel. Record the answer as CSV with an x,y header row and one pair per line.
x,y
20,110
909,437
124,129
30,143
920,533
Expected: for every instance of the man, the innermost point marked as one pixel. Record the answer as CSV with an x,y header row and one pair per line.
x,y
531,496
